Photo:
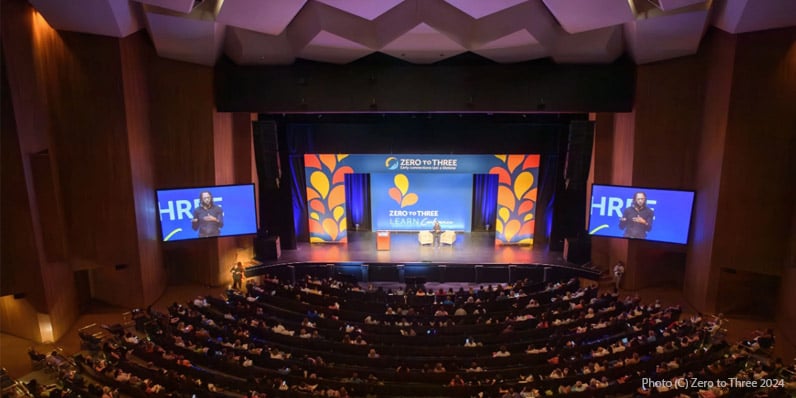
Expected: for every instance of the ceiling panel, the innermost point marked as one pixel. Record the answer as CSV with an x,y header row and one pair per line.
x,y
195,37
114,18
277,32
423,45
272,16
583,15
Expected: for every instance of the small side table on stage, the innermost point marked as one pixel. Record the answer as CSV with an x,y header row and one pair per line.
x,y
382,240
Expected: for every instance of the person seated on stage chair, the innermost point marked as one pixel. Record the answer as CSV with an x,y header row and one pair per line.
x,y
437,231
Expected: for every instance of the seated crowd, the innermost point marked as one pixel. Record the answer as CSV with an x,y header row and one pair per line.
x,y
326,337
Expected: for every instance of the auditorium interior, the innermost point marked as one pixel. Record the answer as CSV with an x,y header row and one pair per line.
x,y
105,103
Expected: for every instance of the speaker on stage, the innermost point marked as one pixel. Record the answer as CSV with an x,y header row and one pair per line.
x,y
579,149
266,153
275,205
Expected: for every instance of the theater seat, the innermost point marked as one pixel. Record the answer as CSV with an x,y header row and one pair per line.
x,y
448,237
425,237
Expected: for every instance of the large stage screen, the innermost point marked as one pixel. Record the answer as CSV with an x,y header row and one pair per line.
x,y
413,201
408,191
204,212
640,213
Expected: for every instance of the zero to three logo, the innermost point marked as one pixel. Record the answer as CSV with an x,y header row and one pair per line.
x,y
391,163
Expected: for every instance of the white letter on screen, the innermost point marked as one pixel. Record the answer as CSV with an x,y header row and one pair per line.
x,y
184,207
169,210
615,206
600,206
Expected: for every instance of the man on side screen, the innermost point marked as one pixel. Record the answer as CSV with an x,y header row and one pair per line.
x,y
208,218
637,219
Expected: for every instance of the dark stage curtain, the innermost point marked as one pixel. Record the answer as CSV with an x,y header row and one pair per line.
x,y
485,187
550,169
357,197
298,191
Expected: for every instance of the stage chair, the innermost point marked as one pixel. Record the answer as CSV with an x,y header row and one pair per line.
x,y
448,237
425,237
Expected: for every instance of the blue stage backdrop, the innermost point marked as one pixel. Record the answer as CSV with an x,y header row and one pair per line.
x,y
176,210
671,208
412,201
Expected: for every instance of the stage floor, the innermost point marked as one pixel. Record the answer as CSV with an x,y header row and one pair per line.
x,y
469,248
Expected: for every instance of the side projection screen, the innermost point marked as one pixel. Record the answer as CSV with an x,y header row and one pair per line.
x,y
205,212
640,213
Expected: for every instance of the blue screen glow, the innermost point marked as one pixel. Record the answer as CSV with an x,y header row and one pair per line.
x,y
670,213
412,201
236,208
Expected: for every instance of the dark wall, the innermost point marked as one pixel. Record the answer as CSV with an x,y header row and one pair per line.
x,y
425,133
468,83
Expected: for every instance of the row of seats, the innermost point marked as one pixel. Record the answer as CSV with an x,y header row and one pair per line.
x,y
556,348
296,343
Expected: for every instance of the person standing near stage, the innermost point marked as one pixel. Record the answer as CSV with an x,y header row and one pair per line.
x,y
436,231
619,270
237,275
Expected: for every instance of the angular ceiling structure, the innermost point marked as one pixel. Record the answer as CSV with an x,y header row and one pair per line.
x,y
277,32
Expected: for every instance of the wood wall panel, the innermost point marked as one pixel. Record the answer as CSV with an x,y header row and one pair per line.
x,y
668,111
84,128
89,142
62,297
50,219
18,318
223,146
244,171
601,173
747,294
136,53
57,275
26,38
622,155
757,195
243,147
19,256
23,32
227,256
786,308
603,148
193,146
89,139
192,261
701,276
667,115
181,121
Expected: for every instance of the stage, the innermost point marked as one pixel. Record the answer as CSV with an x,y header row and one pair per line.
x,y
469,248
470,252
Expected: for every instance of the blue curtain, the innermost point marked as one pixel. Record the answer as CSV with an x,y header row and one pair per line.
x,y
298,192
485,187
357,197
550,182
